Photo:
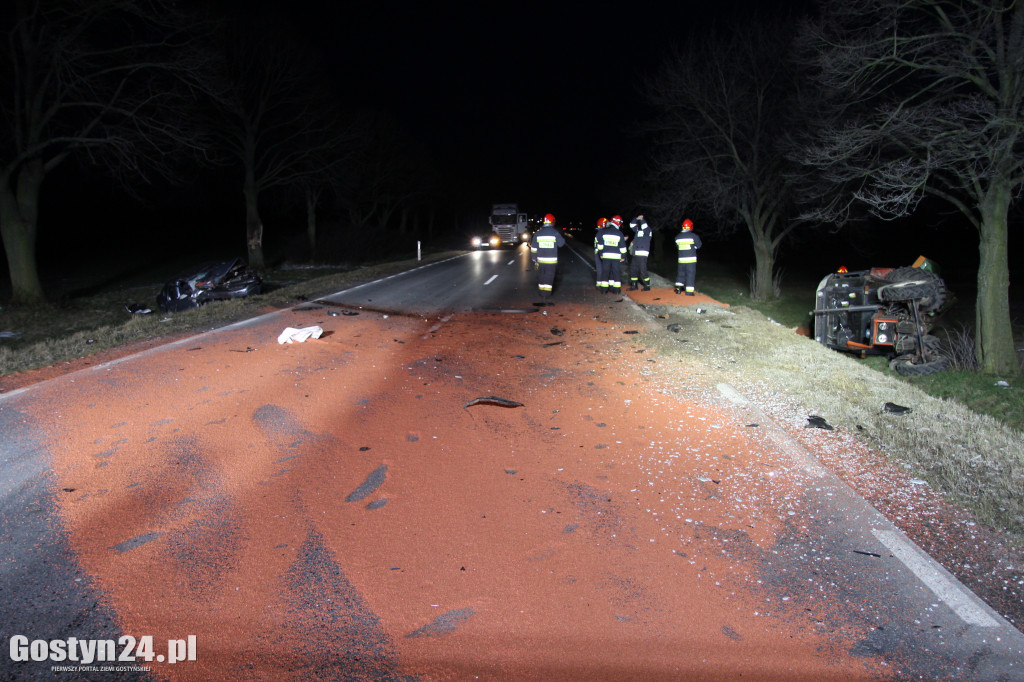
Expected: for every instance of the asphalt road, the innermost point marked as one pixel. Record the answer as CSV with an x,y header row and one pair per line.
x,y
334,509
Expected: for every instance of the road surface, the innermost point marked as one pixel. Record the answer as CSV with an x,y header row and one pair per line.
x,y
451,483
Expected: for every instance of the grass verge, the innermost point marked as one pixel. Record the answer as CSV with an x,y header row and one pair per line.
x,y
980,393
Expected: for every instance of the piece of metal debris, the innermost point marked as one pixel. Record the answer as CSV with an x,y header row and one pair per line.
x,y
493,400
857,551
554,343
248,349
816,422
893,408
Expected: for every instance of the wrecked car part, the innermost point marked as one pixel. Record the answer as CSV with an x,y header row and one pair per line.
x,y
816,422
216,281
493,400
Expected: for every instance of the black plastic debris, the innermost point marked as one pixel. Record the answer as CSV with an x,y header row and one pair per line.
x,y
631,331
893,408
675,327
248,349
816,422
556,331
554,343
493,400
137,309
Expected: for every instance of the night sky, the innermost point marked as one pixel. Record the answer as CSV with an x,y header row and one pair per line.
x,y
529,103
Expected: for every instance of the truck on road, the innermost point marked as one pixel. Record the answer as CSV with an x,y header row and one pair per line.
x,y
509,224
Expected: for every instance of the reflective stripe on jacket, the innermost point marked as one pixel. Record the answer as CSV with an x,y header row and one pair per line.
x,y
610,243
545,244
641,245
687,243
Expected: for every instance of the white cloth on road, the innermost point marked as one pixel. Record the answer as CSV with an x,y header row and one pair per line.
x,y
293,335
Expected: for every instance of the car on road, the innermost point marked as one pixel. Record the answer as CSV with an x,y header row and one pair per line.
x,y
213,281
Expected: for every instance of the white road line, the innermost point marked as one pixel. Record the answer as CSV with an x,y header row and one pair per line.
x,y
511,262
732,394
493,277
925,569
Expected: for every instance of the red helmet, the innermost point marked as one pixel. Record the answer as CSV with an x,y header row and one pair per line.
x,y
601,222
687,224
549,219
617,219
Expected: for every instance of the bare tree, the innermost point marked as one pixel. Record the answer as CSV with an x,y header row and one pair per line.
x,y
392,174
276,119
925,98
99,77
721,106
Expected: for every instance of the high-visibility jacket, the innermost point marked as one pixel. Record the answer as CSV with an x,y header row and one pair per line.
x,y
610,243
687,242
641,244
545,243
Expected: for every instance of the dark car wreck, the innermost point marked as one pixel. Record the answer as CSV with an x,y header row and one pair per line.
x,y
217,281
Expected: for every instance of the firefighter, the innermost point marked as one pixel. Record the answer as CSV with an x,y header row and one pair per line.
x,y
544,247
601,222
610,249
687,242
640,248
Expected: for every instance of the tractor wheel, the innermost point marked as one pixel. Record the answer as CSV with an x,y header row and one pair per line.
x,y
908,284
904,365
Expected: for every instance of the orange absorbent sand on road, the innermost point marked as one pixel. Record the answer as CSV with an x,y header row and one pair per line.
x,y
335,509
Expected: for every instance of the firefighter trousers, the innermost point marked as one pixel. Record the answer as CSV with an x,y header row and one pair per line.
x,y
686,273
638,271
546,277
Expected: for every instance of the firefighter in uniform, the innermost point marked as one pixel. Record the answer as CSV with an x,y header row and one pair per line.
x,y
610,249
544,248
640,248
601,222
687,243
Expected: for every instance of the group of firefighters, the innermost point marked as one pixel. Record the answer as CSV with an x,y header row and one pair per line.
x,y
610,251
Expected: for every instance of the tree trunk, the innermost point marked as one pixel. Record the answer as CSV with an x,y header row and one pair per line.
x,y
311,197
762,287
19,219
993,342
253,225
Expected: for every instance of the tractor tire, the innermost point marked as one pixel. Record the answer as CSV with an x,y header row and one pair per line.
x,y
904,365
908,284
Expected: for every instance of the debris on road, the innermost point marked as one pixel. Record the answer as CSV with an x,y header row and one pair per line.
x,y
373,481
137,309
893,408
293,335
492,400
816,422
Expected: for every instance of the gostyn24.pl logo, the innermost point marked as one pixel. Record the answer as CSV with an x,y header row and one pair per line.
x,y
126,649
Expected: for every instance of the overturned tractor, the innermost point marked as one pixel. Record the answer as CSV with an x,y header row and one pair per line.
x,y
884,311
